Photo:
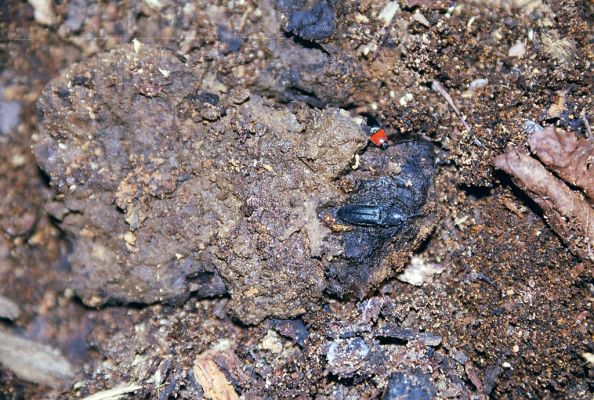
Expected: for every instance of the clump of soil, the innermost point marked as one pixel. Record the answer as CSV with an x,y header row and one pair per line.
x,y
132,144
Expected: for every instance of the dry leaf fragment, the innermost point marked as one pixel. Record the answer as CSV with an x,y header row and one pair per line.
x,y
568,213
571,158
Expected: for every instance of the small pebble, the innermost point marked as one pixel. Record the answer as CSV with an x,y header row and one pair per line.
x,y
9,115
8,309
517,50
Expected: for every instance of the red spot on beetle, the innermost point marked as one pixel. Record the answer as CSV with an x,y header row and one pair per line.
x,y
379,138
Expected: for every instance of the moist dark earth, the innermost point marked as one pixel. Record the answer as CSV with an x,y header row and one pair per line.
x,y
191,207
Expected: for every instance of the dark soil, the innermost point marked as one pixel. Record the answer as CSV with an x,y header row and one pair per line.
x,y
189,187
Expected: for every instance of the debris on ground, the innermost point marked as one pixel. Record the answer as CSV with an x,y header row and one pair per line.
x,y
419,271
9,115
114,394
44,13
566,155
409,385
567,211
212,379
34,362
319,22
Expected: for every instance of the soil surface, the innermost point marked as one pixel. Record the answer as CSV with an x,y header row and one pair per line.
x,y
192,207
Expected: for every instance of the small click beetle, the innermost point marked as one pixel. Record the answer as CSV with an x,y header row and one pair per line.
x,y
369,215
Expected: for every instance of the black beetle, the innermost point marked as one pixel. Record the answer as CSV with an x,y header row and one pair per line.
x,y
369,215
378,214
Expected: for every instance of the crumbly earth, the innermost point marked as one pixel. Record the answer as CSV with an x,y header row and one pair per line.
x,y
133,144
509,316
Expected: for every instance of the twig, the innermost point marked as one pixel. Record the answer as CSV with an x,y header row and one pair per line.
x,y
245,16
114,393
387,15
588,129
438,87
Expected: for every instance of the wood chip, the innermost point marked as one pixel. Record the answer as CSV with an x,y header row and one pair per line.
x,y
212,379
34,362
420,18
